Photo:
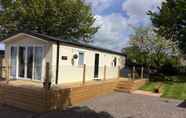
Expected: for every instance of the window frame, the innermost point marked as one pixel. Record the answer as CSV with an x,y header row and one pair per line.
x,y
83,53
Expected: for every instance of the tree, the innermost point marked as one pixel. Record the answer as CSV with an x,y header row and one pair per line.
x,y
68,19
150,49
170,21
135,55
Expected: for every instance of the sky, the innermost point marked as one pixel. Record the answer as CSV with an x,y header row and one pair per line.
x,y
116,19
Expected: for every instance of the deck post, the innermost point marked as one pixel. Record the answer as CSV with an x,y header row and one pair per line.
x,y
7,73
133,72
46,86
47,82
84,74
142,69
105,69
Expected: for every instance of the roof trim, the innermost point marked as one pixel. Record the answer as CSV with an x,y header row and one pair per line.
x,y
54,39
20,34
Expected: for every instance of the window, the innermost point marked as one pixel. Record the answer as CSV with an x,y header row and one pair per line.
x,y
81,58
38,62
29,61
115,62
13,61
22,53
26,62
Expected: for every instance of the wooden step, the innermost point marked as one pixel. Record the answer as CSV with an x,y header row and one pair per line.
x,y
125,87
122,90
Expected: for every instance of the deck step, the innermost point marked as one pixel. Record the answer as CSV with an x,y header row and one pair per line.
x,y
124,86
122,90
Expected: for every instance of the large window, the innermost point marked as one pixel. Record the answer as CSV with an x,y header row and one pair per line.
x,y
38,62
22,54
26,62
29,62
81,58
13,61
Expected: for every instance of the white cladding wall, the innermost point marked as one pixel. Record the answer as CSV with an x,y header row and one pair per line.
x,y
69,73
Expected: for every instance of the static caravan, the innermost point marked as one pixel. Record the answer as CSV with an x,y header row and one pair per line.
x,y
69,62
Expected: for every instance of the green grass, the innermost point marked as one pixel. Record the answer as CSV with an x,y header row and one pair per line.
x,y
149,86
169,89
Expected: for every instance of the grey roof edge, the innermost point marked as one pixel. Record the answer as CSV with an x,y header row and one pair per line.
x,y
54,39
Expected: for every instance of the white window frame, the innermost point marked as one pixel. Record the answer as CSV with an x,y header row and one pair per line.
x,y
82,52
17,64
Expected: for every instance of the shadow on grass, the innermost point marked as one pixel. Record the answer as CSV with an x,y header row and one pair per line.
x,y
182,105
75,112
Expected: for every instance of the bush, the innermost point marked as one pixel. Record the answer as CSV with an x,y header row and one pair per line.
x,y
171,70
156,77
168,69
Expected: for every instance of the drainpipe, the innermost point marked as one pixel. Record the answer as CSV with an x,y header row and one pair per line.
x,y
57,63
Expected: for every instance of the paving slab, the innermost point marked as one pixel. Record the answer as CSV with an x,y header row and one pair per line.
x,y
146,93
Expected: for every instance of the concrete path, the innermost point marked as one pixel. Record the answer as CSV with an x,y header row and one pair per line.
x,y
146,93
115,105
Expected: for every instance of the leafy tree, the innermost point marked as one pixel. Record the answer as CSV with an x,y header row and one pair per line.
x,y
150,49
170,21
68,19
135,54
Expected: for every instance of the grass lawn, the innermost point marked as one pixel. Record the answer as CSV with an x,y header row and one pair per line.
x,y
169,89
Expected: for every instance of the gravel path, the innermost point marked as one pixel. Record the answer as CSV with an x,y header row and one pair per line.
x,y
122,105
115,105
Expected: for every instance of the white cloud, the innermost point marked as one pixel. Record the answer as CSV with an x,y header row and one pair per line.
x,y
113,29
137,10
99,5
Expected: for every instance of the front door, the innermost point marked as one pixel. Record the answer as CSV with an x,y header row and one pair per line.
x,y
96,66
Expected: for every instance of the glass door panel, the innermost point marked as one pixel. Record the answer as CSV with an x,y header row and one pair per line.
x,y
13,61
22,61
38,63
29,62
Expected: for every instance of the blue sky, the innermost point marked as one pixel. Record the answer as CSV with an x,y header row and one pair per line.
x,y
116,17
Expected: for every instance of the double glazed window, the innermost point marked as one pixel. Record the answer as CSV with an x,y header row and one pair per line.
x,y
26,62
115,62
81,58
13,61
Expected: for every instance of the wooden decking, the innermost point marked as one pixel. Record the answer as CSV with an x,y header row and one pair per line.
x,y
32,96
22,94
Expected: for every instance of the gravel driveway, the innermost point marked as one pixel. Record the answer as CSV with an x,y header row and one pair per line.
x,y
115,105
